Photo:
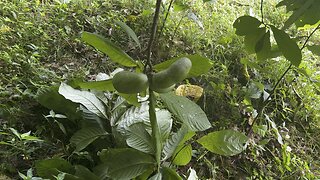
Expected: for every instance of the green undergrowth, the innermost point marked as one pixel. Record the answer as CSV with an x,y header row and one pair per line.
x,y
40,46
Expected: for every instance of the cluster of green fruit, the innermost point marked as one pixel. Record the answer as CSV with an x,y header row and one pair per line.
x,y
131,82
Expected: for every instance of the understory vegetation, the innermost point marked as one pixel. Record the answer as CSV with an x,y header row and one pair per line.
x,y
247,108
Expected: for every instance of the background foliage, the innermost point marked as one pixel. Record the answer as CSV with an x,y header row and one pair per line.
x,y
41,46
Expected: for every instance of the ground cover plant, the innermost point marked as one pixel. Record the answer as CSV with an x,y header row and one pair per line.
x,y
238,97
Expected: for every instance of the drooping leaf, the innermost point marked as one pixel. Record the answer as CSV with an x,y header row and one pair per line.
x,y
86,136
130,98
186,111
123,163
304,12
51,99
297,14
129,31
263,47
105,85
173,142
251,40
169,174
85,173
133,115
246,25
50,167
104,45
200,65
311,16
140,139
90,119
225,142
164,122
182,155
191,15
87,99
315,49
288,46
180,6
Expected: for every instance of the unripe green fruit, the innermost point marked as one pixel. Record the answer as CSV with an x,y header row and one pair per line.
x,y
176,72
161,80
179,70
130,82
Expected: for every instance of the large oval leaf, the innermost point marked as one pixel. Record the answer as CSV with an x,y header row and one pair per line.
x,y
51,99
140,139
200,65
105,85
183,155
87,99
129,31
104,45
123,163
49,168
246,25
186,111
84,137
173,142
225,142
288,46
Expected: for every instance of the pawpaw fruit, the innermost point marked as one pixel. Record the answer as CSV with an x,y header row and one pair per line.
x,y
179,69
130,82
175,73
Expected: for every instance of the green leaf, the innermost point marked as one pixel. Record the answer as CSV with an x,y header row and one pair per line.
x,y
85,173
51,167
311,16
129,31
186,111
164,122
123,163
200,65
225,142
51,99
288,46
315,49
87,99
173,142
131,116
251,40
104,45
169,174
263,47
130,98
297,14
91,119
246,25
182,155
180,6
105,85
140,139
86,136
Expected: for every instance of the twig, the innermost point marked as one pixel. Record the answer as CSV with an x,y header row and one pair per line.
x,y
152,36
261,10
165,19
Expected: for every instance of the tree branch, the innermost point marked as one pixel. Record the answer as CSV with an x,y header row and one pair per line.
x,y
152,36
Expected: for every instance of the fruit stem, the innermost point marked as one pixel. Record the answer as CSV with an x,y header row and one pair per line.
x,y
155,129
